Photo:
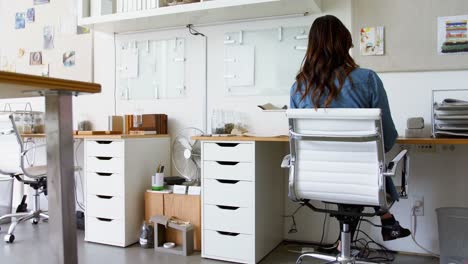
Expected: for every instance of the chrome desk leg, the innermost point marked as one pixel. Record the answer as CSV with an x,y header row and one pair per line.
x,y
60,178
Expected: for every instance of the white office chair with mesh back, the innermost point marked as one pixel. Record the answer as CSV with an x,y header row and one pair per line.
x,y
37,180
337,157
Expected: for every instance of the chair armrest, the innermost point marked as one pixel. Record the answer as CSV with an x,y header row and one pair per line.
x,y
32,148
392,165
391,171
286,163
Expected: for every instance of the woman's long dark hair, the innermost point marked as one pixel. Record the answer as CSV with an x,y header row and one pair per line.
x,y
327,60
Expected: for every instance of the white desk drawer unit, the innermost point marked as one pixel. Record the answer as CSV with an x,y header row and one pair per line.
x,y
104,164
228,151
227,246
102,183
104,231
229,218
228,192
236,177
117,174
228,170
105,148
109,207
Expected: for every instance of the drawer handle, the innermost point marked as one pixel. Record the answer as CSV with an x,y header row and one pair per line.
x,y
224,207
104,158
102,142
228,181
104,219
105,197
104,174
228,233
227,163
227,145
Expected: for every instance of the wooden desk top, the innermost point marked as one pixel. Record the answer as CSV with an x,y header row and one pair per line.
x,y
101,136
435,141
407,141
17,85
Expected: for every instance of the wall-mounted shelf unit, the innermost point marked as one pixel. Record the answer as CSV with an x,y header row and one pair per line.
x,y
203,12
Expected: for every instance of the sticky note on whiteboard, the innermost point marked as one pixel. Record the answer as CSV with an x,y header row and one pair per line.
x,y
239,65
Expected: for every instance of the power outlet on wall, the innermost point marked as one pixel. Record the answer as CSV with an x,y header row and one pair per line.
x,y
426,148
418,205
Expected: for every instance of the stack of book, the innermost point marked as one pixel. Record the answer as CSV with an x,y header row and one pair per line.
x,y
140,5
451,118
136,5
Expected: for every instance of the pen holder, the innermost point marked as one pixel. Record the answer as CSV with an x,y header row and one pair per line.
x,y
157,183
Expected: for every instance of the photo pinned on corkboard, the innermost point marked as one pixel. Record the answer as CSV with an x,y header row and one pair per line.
x,y
48,35
20,20
31,15
69,59
35,58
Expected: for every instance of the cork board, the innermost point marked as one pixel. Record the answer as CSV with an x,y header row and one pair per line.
x,y
410,34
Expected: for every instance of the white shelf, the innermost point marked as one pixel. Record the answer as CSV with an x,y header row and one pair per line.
x,y
205,12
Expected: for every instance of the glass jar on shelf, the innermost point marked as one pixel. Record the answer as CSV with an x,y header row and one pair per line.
x,y
27,122
38,127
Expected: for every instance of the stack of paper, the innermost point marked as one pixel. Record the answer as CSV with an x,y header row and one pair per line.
x,y
451,118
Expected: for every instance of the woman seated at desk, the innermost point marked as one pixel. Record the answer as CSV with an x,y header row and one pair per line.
x,y
329,78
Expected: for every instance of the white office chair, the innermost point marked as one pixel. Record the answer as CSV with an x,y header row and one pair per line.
x,y
38,181
337,157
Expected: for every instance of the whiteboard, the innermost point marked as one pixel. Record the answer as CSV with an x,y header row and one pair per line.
x,y
151,69
263,62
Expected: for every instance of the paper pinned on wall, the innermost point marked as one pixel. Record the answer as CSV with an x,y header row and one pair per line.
x,y
20,20
129,63
372,41
35,58
452,35
31,15
48,35
45,71
82,30
21,52
68,59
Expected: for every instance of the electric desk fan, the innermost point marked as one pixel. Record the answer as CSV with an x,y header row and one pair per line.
x,y
186,155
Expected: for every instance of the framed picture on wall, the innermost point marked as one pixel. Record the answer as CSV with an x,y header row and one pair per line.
x,y
452,35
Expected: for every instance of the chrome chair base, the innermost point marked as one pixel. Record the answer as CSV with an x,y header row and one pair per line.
x,y
35,216
346,257
332,259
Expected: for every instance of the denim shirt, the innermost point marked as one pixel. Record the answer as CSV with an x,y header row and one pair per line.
x,y
367,91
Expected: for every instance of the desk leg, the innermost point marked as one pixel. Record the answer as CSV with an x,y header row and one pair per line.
x,y
60,177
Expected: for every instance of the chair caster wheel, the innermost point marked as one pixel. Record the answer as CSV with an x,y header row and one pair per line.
x,y
35,221
9,238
